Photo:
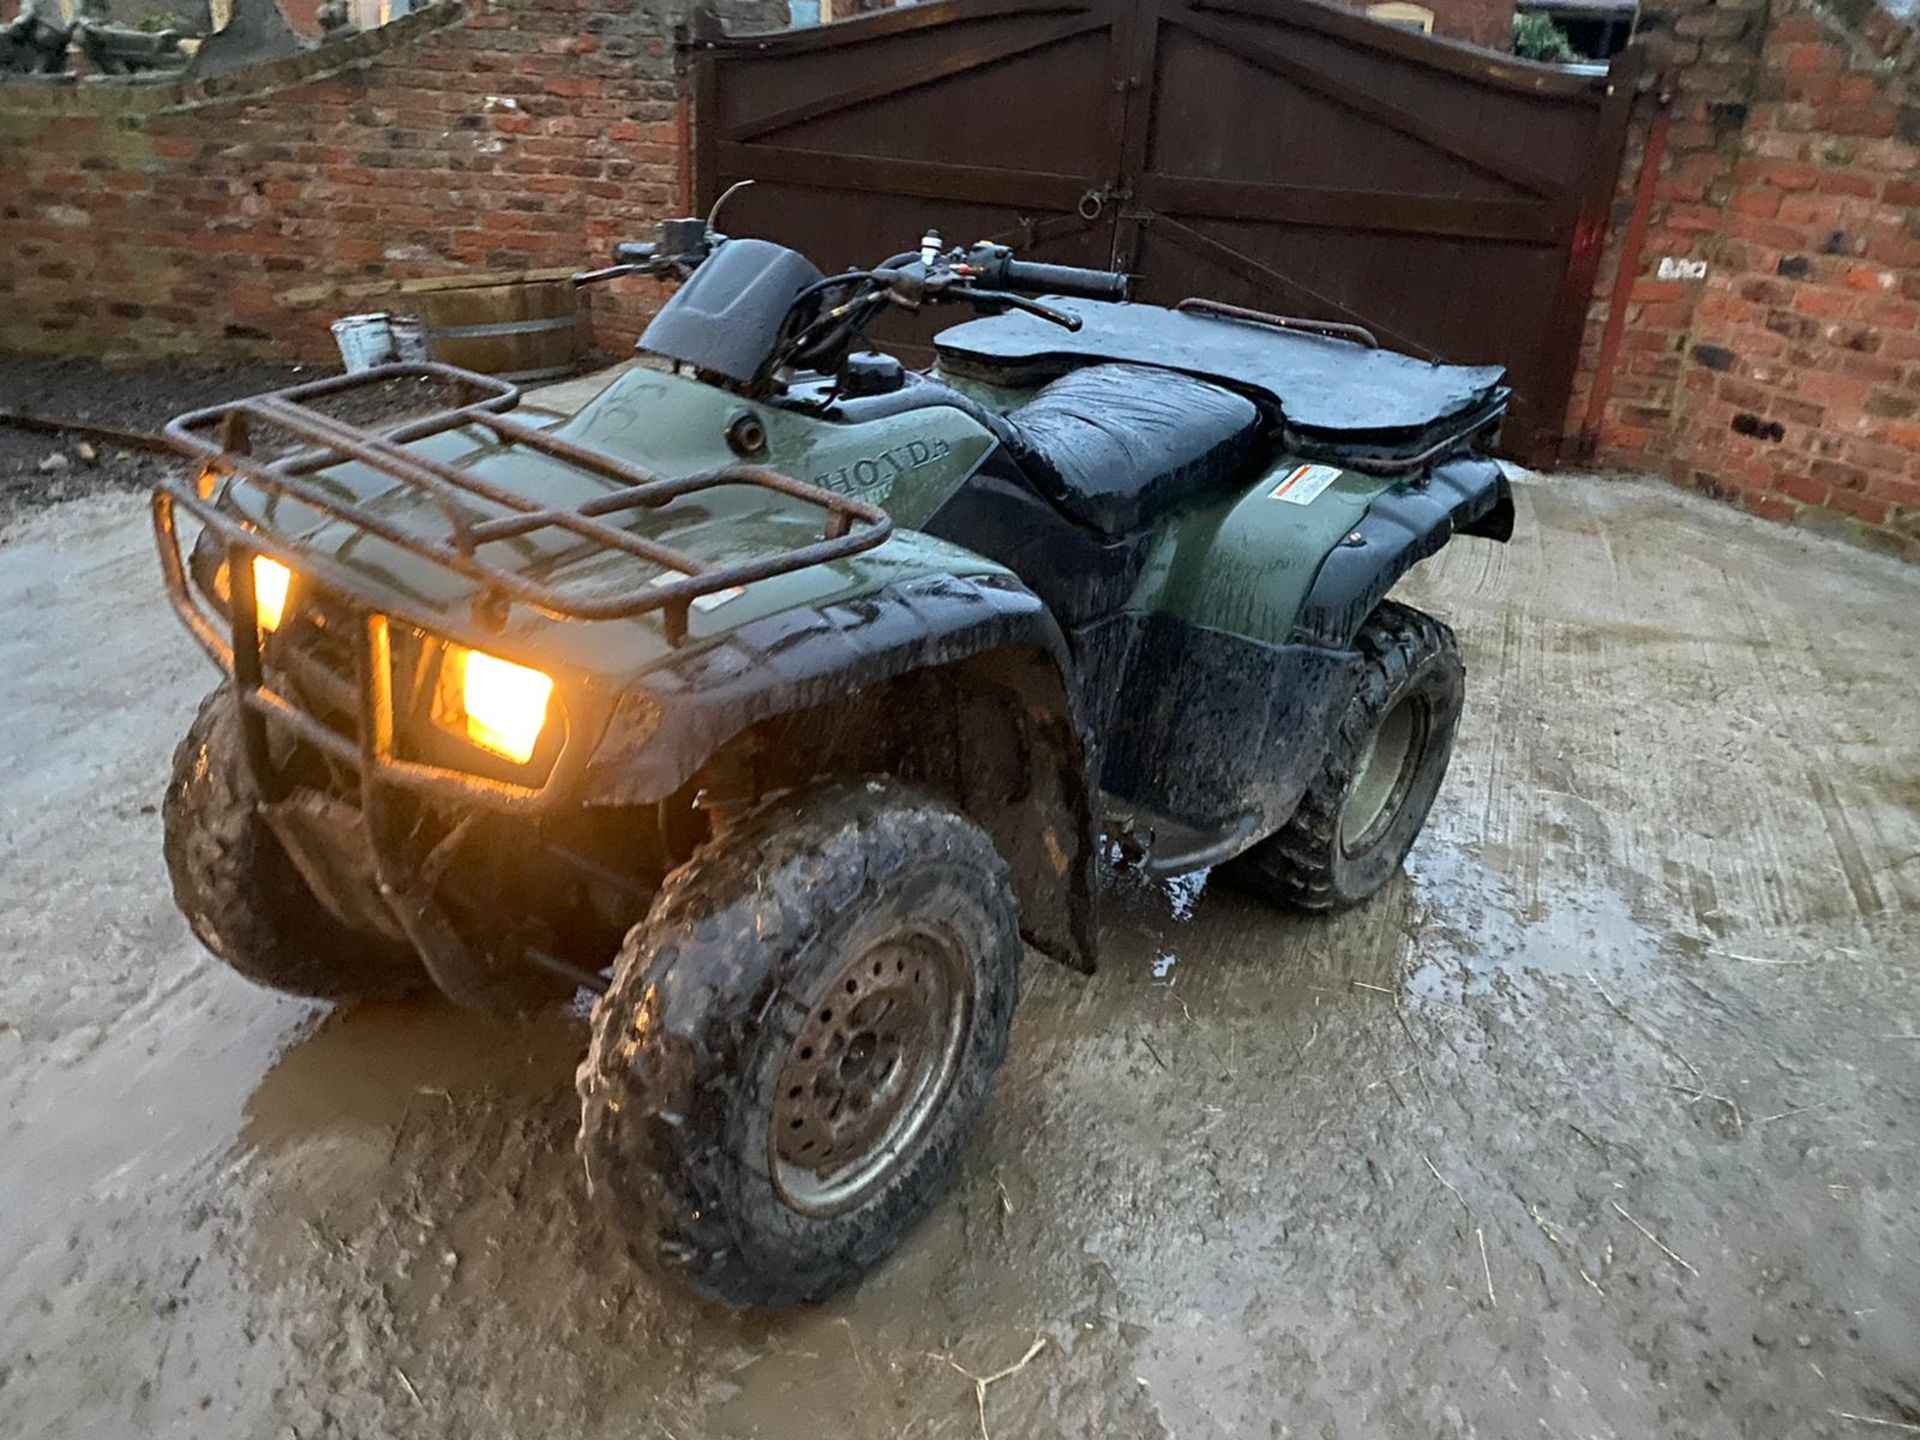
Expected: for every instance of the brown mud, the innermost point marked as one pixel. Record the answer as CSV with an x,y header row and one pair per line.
x,y
1603,1121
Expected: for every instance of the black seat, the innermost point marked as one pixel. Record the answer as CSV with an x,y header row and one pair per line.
x,y
1115,446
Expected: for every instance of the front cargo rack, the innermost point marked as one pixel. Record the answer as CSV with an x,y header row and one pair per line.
x,y
220,438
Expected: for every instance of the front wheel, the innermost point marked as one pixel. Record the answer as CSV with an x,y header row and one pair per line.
x,y
1362,812
798,1041
241,894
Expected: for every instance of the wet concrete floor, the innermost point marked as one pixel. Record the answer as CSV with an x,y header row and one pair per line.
x,y
1604,1121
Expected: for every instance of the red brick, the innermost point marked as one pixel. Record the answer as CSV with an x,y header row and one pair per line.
x,y
1846,182
1829,304
1803,488
1764,204
1869,508
1872,278
1769,507
1790,177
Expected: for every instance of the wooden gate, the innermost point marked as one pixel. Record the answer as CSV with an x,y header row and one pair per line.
x,y
1282,154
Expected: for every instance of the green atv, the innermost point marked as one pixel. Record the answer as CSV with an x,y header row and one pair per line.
x,y
781,693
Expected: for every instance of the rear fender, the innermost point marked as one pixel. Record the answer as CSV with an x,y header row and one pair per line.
x,y
1237,648
1304,555
1403,526
963,686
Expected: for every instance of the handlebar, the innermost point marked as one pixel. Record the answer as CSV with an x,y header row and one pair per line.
x,y
823,319
1038,278
992,267
630,257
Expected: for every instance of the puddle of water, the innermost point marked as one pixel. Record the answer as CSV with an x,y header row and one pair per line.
x,y
365,1069
1475,937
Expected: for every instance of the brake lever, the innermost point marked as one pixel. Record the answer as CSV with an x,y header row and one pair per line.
x,y
1021,302
612,272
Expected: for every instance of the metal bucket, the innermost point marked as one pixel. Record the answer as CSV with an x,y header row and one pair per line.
x,y
379,339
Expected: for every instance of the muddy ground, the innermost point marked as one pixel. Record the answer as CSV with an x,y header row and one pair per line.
x,y
37,468
1604,1121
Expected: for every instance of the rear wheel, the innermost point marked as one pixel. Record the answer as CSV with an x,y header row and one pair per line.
x,y
1362,812
799,1040
240,892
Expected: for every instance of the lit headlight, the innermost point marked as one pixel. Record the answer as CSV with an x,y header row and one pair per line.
x,y
271,581
504,705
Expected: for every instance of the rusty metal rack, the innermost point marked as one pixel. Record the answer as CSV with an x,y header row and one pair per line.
x,y
220,438
850,525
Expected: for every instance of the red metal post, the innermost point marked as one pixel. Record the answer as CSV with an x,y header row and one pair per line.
x,y
1628,270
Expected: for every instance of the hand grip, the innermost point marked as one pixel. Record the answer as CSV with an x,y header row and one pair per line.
x,y
1037,278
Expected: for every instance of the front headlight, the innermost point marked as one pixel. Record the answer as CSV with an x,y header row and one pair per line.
x,y
503,706
271,581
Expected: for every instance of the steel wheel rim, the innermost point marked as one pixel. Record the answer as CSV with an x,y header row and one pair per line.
x,y
863,1080
1384,776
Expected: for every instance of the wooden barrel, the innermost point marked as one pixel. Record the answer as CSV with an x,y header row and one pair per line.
x,y
523,330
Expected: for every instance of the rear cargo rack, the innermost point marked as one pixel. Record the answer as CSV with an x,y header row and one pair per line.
x,y
220,437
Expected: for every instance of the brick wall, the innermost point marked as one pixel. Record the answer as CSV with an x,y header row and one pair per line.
x,y
1801,376
1788,378
241,216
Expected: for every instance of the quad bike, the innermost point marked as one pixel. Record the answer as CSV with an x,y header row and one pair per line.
x,y
781,693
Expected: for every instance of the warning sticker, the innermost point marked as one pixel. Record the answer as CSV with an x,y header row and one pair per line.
x,y
1304,484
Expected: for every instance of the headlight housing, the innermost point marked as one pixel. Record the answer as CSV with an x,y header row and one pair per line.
x,y
497,705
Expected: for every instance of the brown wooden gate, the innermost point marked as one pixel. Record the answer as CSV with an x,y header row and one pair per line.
x,y
1282,154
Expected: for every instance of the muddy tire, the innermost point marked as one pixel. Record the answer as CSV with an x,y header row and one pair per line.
x,y
1360,815
798,1040
240,892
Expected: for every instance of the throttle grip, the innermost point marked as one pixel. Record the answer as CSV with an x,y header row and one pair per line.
x,y
1038,278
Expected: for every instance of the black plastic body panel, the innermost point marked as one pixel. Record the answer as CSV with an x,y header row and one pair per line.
x,y
726,317
999,514
1221,733
997,704
800,658
1468,496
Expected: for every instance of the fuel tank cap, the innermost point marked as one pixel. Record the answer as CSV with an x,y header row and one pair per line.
x,y
871,373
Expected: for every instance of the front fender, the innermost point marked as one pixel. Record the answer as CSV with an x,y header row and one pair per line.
x,y
999,685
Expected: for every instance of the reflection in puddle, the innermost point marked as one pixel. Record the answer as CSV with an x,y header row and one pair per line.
x,y
363,1069
1475,937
